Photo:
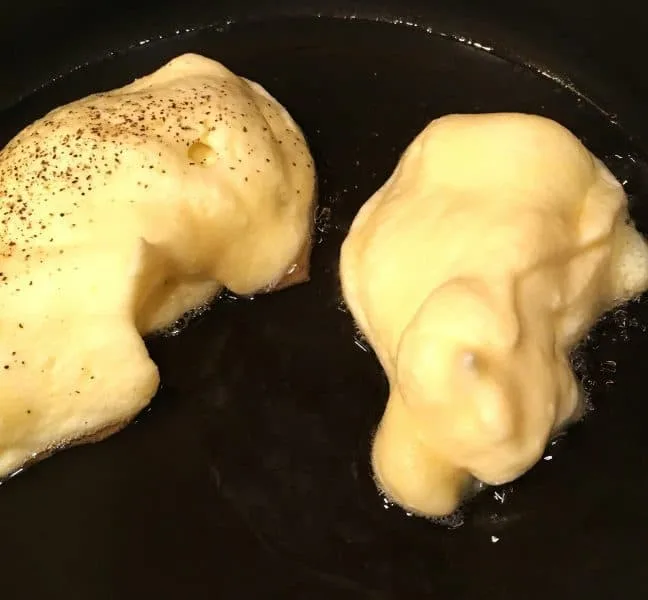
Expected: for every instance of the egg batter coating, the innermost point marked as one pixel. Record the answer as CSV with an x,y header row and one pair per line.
x,y
118,213
486,257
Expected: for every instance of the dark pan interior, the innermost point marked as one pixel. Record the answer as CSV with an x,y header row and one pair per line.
x,y
248,477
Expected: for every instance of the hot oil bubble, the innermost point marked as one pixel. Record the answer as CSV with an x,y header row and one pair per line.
x,y
595,369
342,306
451,521
587,383
623,167
619,325
630,170
322,223
229,297
183,322
608,370
361,341
499,496
387,503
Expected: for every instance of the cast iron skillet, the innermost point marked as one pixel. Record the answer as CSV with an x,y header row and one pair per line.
x,y
249,477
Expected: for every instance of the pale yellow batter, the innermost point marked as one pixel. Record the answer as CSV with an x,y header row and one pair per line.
x,y
491,250
120,212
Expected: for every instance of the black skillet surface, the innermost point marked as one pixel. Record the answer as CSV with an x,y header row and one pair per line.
x,y
248,477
